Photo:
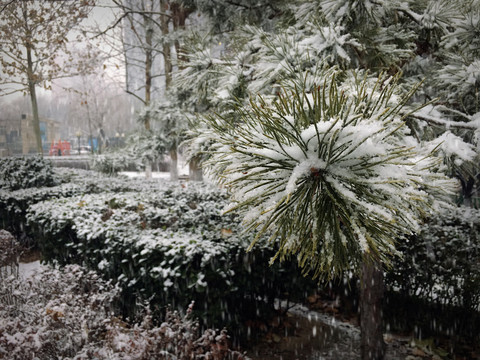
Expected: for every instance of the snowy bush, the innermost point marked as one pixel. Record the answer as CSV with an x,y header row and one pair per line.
x,y
69,314
441,263
112,163
171,245
141,147
176,338
14,203
52,315
26,172
10,251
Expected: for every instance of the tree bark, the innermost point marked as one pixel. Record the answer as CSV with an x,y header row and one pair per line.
x,y
89,118
32,92
148,64
179,16
167,64
174,164
167,61
148,80
36,118
148,170
371,313
194,170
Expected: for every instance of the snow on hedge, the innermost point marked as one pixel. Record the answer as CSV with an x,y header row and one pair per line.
x,y
180,228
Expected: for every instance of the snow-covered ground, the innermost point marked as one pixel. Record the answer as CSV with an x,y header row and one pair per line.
x,y
182,171
141,174
28,269
320,336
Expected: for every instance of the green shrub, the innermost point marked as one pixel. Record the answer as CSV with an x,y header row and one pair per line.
x,y
112,163
438,276
441,263
14,203
172,246
26,172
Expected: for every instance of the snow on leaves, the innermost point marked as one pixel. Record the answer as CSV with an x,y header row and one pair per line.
x,y
161,241
142,224
70,314
333,174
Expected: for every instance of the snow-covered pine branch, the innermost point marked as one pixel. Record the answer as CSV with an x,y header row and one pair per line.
x,y
333,175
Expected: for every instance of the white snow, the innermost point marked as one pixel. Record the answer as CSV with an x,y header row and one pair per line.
x,y
26,270
141,174
452,145
303,169
182,171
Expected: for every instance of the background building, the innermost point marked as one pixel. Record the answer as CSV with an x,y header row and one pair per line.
x,y
17,137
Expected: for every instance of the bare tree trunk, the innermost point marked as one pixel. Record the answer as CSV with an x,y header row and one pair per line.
x,y
148,65
90,132
167,57
33,100
179,15
174,164
148,80
89,118
194,170
371,314
36,118
167,63
148,170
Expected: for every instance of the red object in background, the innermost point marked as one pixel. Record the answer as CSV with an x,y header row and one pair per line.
x,y
61,148
66,148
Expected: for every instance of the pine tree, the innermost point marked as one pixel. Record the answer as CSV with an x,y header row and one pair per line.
x,y
332,175
346,142
373,35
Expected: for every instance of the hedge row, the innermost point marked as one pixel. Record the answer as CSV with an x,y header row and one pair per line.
x,y
15,201
435,285
442,262
165,242
170,243
173,245
26,172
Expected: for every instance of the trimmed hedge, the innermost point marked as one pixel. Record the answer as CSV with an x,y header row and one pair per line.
x,y
441,264
169,243
26,172
70,182
171,246
434,288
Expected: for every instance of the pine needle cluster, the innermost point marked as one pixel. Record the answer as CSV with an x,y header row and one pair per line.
x,y
333,175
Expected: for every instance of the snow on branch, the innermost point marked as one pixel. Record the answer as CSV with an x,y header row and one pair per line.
x,y
432,115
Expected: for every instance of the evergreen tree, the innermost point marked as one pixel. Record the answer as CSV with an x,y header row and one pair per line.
x,y
334,176
377,36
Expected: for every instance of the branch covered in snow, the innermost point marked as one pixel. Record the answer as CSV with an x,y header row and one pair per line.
x,y
333,174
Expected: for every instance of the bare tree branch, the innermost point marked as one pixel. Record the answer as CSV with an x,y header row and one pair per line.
x,y
445,123
5,6
128,11
136,96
